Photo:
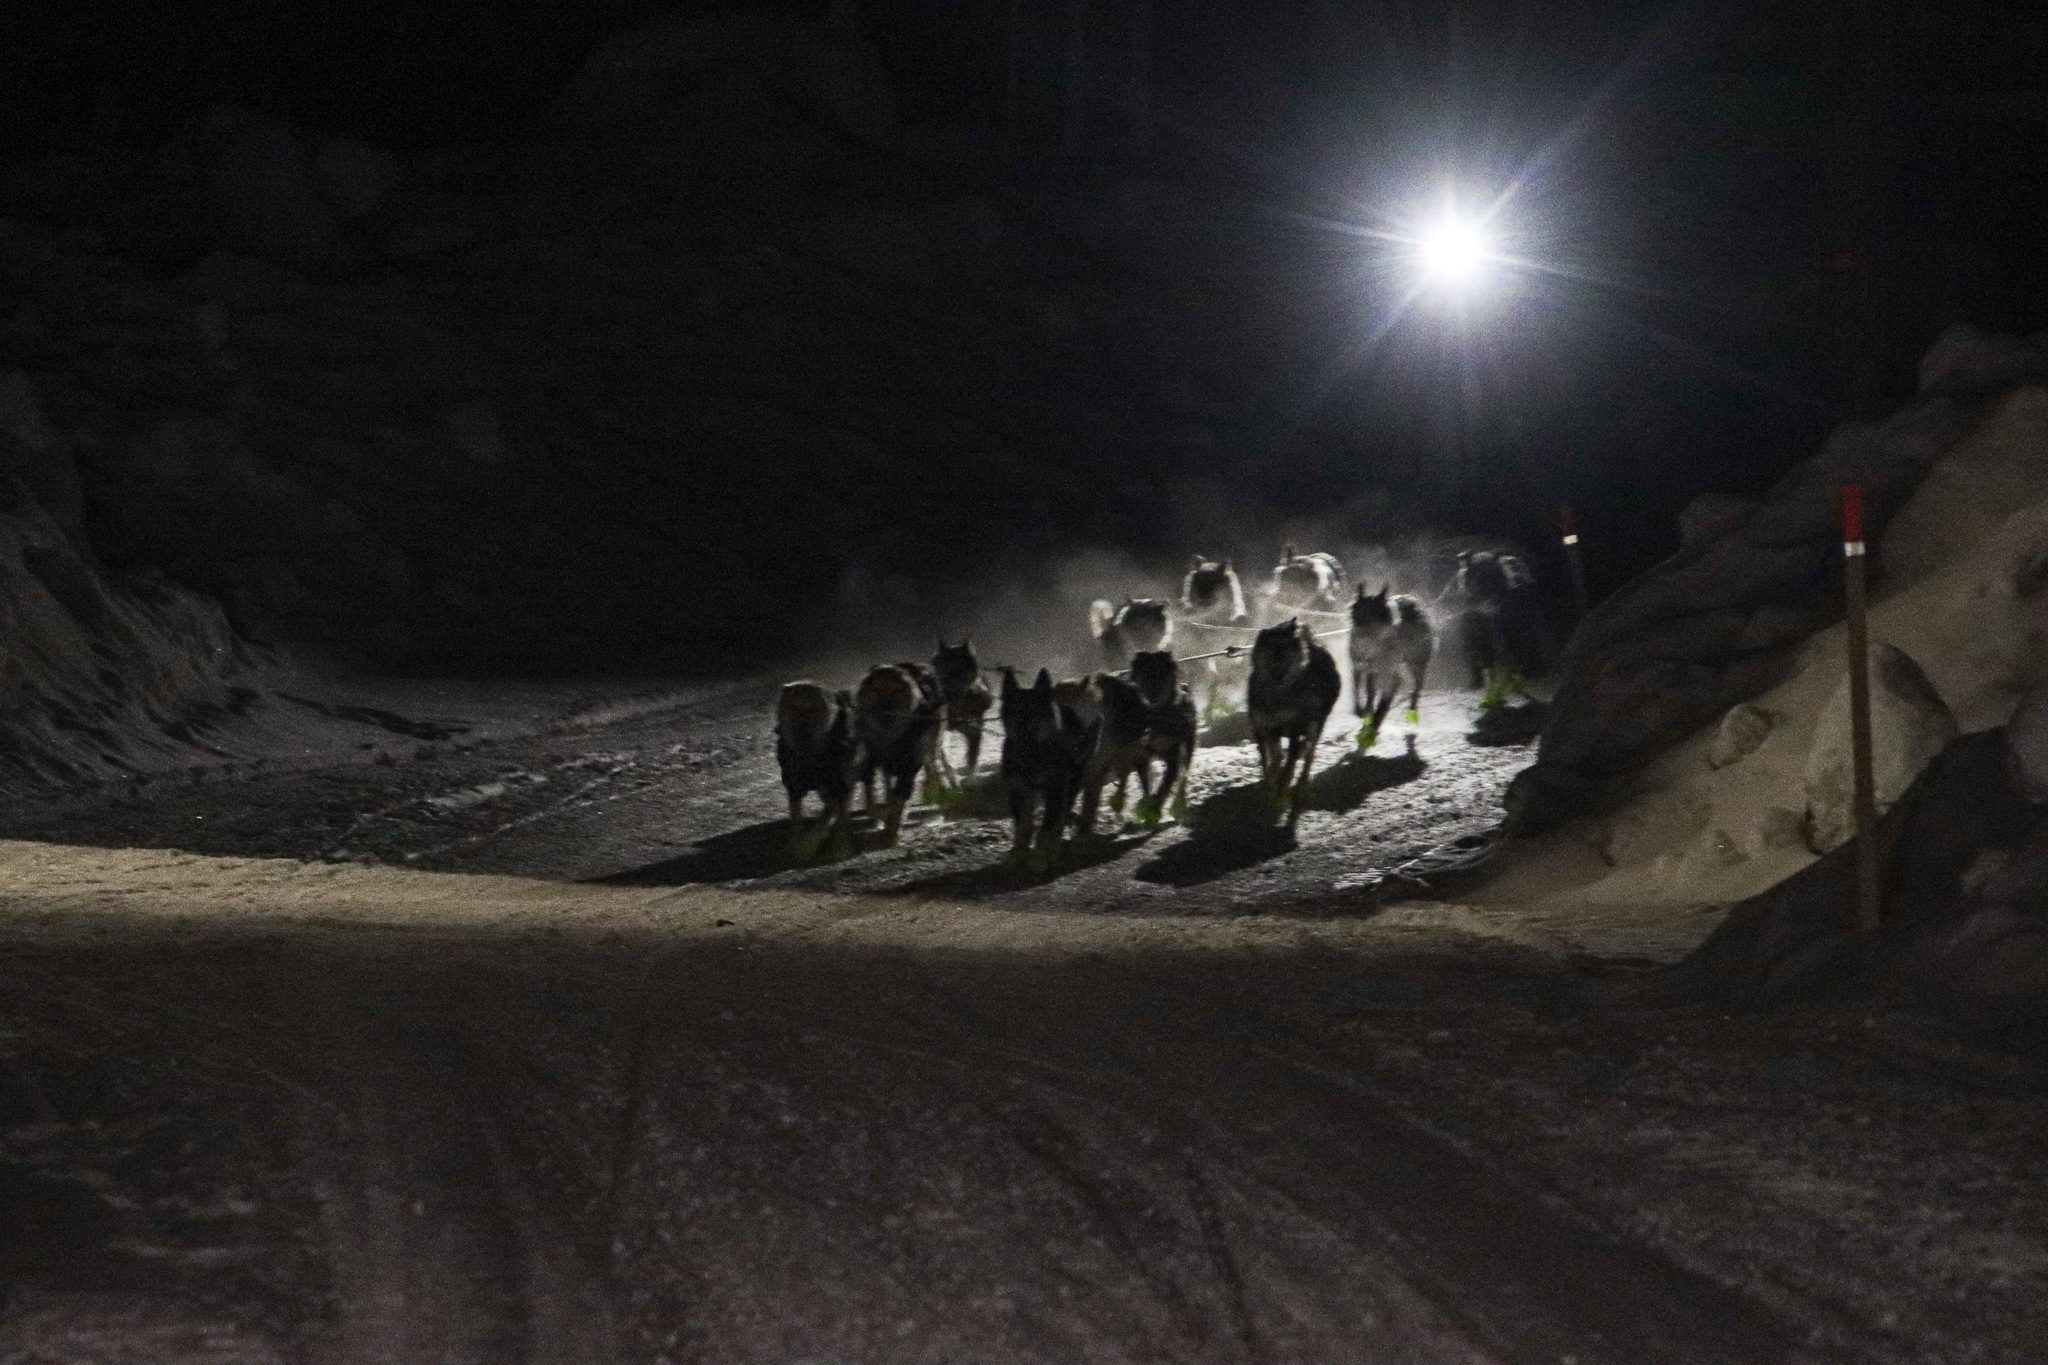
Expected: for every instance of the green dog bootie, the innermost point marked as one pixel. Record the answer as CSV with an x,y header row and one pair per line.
x,y
1368,735
1413,716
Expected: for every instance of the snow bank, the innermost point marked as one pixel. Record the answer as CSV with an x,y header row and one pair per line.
x,y
1963,592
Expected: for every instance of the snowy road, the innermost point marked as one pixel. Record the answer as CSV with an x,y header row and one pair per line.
x,y
688,794
1199,1096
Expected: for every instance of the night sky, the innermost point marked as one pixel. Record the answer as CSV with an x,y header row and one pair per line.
x,y
1751,218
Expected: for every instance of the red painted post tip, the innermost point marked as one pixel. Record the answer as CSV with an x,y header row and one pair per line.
x,y
1852,512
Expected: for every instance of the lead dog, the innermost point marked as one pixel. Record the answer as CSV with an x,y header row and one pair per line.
x,y
1169,734
1046,748
817,752
1392,641
1294,686
896,720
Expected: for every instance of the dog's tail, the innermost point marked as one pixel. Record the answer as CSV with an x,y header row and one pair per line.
x,y
1100,616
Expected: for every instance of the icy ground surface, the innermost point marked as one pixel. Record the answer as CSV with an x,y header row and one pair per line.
x,y
674,790
284,1110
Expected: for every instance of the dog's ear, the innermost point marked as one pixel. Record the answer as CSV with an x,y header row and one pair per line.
x,y
1286,553
1043,683
1194,562
1382,593
1227,562
967,642
1010,688
1361,592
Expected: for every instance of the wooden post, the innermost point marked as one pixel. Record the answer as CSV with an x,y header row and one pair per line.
x,y
1570,540
1854,586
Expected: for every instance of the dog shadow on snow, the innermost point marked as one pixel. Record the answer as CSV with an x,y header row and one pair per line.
x,y
760,850
1076,853
1239,827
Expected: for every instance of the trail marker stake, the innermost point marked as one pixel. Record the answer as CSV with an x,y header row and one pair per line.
x,y
1854,587
1569,537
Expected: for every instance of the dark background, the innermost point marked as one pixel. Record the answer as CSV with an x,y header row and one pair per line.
x,y
1753,217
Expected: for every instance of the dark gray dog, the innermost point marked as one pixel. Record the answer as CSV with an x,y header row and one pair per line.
x,y
817,752
1483,591
964,698
1046,747
896,720
1294,687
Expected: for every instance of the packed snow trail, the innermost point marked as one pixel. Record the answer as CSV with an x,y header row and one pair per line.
x,y
545,1123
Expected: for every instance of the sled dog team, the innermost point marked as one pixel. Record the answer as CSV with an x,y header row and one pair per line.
x,y
1077,738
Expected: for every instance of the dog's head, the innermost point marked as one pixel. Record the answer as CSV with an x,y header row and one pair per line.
x,y
804,708
1033,715
1372,609
1144,616
1212,583
1281,649
1156,676
956,665
1298,575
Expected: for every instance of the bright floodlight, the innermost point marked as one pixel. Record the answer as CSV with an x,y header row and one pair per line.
x,y
1455,254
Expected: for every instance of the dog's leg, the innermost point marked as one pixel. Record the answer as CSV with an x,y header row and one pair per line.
x,y
973,734
1021,804
901,784
1185,753
1170,778
1371,714
1308,743
1416,674
1059,800
1379,715
1091,798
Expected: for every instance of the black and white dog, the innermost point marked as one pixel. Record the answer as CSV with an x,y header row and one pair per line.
x,y
1310,582
1392,642
1294,686
1212,603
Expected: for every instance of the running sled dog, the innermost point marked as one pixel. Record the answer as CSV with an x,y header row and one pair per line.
x,y
1392,642
1046,748
896,722
1294,686
964,700
817,752
1212,607
1306,583
1141,623
1485,589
